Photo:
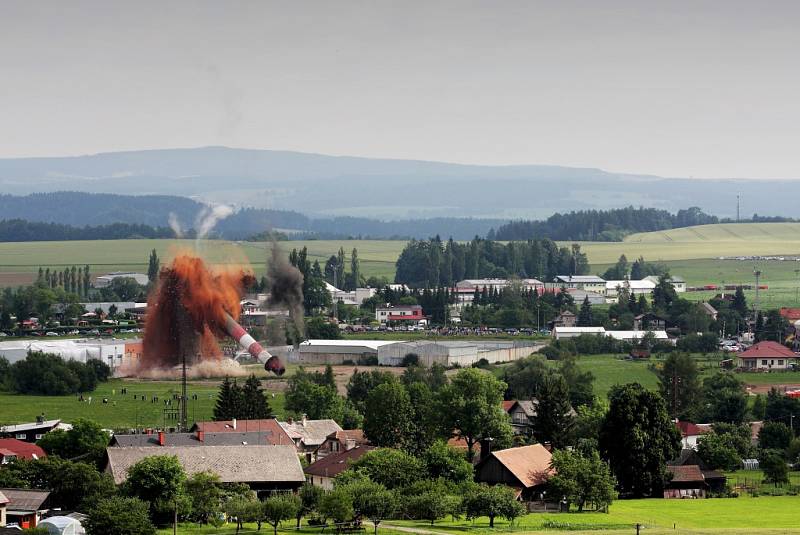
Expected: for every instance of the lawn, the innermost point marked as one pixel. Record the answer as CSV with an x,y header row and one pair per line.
x,y
746,481
750,515
121,411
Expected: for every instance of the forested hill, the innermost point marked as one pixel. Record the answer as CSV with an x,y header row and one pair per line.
x,y
601,225
99,210
18,230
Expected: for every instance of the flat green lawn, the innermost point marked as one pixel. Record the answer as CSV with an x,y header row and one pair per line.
x,y
746,481
746,514
610,370
122,411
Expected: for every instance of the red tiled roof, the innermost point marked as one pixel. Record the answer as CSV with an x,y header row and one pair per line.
x,y
690,429
529,464
276,435
790,314
356,435
400,317
22,450
767,350
508,405
334,464
686,474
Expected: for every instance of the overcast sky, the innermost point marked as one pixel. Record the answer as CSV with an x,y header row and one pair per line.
x,y
704,89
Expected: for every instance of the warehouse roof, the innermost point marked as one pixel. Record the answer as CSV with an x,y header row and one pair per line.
x,y
233,464
579,278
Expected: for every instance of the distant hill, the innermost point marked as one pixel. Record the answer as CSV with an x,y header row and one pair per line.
x,y
77,209
319,185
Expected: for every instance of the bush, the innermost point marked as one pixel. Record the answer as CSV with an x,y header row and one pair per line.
x,y
368,360
49,375
411,359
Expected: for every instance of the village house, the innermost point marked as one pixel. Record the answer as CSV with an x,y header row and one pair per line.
x,y
649,321
525,469
565,319
269,428
691,433
265,469
308,435
400,313
339,441
201,438
522,413
25,507
765,356
12,449
709,311
323,471
714,481
678,283
685,482
634,287
30,432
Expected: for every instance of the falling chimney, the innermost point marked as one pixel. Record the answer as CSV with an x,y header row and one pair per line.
x,y
162,440
201,435
233,423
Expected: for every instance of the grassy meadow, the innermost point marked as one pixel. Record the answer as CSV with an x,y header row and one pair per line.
x,y
122,411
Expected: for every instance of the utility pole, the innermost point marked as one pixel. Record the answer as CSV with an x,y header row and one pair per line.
x,y
757,273
737,207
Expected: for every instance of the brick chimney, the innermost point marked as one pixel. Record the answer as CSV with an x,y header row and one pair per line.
x,y
305,420
162,440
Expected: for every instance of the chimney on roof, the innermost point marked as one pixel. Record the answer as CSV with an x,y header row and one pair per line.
x,y
201,436
162,440
548,447
486,447
349,444
233,423
305,420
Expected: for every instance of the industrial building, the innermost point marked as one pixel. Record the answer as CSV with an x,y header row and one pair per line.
x,y
105,280
391,353
561,333
465,290
450,353
336,351
113,351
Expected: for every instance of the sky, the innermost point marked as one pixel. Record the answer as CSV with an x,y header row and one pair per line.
x,y
671,88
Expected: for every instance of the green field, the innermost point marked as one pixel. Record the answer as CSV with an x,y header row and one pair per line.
x,y
122,411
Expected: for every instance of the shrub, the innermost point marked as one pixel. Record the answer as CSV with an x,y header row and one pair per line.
x,y
411,359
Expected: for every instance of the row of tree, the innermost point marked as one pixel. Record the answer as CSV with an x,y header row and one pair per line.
x,y
431,263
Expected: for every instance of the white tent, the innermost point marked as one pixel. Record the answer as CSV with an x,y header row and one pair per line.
x,y
62,525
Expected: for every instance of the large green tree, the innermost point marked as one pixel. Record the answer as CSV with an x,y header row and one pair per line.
x,y
159,481
388,416
86,441
582,478
471,406
637,439
680,387
118,515
554,421
280,507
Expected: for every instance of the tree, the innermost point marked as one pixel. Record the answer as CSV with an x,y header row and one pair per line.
x,y
153,266
309,495
495,501
774,466
780,408
230,401
637,438
759,407
49,375
243,508
579,382
86,440
679,386
159,481
740,302
336,505
431,506
718,453
379,504
724,398
362,383
775,436
310,394
554,422
203,490
355,270
582,478
585,318
254,403
471,406
391,468
280,507
388,415
118,515
445,462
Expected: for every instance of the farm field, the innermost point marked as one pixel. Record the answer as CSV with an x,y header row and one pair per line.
x,y
121,411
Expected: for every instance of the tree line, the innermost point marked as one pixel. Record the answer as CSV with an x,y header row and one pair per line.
x,y
430,263
601,225
20,230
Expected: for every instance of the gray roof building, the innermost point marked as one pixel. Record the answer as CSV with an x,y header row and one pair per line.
x,y
200,438
258,466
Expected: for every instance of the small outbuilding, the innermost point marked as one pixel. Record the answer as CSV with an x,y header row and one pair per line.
x,y
62,525
526,469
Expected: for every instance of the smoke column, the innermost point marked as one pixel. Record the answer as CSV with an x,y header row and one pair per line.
x,y
286,287
187,313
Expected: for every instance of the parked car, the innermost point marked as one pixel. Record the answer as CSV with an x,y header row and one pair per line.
x,y
51,333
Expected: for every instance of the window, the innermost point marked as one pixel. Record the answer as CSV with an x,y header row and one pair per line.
x,y
780,362
39,436
21,436
764,362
